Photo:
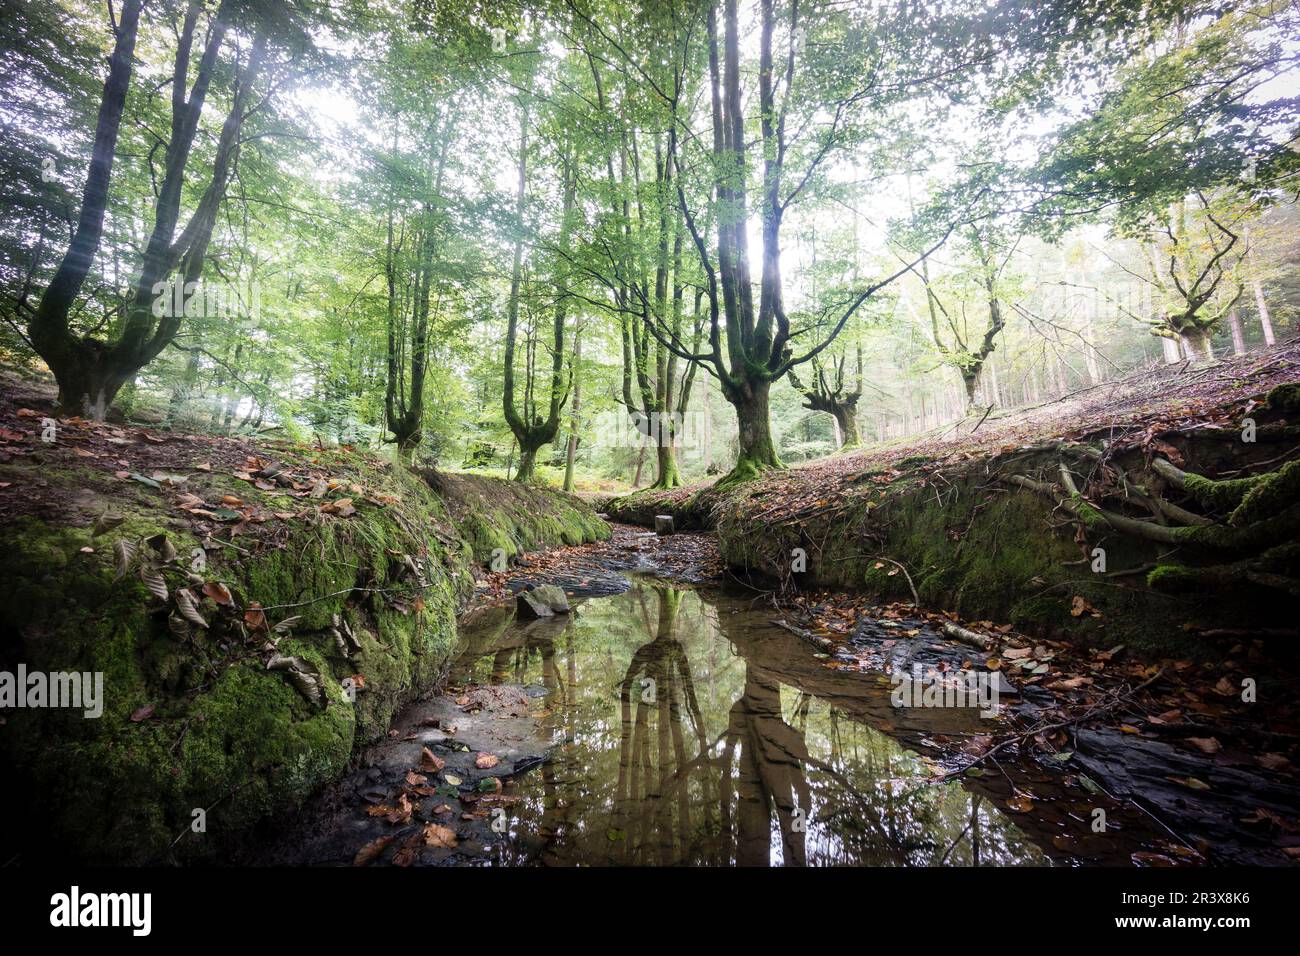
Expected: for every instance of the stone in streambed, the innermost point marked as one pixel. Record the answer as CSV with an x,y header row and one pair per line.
x,y
554,597
542,601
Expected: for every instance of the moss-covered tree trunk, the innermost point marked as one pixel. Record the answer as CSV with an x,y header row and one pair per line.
x,y
667,475
850,436
757,450
527,462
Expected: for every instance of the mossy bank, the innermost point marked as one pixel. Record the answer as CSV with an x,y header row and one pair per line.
x,y
1097,538
256,613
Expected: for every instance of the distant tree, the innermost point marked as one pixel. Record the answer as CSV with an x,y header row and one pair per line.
x,y
831,393
975,289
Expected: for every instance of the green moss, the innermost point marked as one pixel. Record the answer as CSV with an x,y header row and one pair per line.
x,y
1219,495
1092,518
1174,579
226,734
1272,494
1285,398
1250,539
1043,613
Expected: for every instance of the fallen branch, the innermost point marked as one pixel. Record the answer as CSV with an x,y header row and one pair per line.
x,y
916,600
959,633
821,643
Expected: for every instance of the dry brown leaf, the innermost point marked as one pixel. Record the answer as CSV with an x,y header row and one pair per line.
x,y
372,851
431,762
218,592
435,834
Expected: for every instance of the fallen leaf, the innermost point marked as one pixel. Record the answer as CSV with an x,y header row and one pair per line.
x,y
254,617
1079,606
402,812
106,522
1272,761
435,834
431,762
218,592
372,850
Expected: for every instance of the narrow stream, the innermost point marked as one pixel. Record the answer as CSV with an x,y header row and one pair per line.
x,y
686,729
663,726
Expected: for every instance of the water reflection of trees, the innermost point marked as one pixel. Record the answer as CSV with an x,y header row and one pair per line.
x,y
781,762
653,818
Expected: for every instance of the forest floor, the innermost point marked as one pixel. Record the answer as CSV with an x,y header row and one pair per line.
x,y
1135,410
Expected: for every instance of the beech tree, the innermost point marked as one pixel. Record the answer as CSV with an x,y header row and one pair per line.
x,y
829,391
530,428
967,313
91,368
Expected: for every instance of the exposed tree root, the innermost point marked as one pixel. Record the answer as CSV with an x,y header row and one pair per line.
x,y
1257,536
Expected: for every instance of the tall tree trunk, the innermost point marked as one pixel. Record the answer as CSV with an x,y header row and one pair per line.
x,y
90,371
640,463
529,428
667,474
1261,304
757,450
527,461
72,359
571,453
1238,336
1197,346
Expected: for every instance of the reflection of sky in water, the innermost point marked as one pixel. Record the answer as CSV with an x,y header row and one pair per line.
x,y
741,734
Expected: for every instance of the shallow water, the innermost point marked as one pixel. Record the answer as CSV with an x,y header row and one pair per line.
x,y
686,729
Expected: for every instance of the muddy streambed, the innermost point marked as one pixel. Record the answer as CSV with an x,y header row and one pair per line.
x,y
664,726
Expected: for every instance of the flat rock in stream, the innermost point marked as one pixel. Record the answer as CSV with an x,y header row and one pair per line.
x,y
552,596
537,602
1195,796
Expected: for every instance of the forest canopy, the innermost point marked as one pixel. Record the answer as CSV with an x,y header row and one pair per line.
x,y
606,243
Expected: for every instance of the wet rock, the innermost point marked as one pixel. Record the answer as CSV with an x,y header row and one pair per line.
x,y
552,596
529,607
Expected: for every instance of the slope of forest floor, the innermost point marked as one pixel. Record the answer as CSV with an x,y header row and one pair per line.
x,y
257,609
1000,517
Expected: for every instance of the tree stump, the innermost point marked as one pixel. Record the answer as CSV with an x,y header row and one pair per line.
x,y
663,524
